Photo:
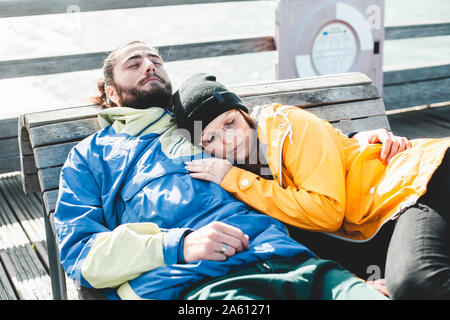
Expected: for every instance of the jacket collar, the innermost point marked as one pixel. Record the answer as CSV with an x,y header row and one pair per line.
x,y
136,122
273,129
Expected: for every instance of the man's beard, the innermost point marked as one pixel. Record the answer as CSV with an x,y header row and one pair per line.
x,y
160,96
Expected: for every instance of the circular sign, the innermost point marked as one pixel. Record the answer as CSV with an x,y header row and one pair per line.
x,y
334,49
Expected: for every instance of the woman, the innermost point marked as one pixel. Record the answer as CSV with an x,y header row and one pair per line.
x,y
321,180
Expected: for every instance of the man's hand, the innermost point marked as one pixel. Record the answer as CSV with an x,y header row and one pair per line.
x,y
211,169
215,241
392,145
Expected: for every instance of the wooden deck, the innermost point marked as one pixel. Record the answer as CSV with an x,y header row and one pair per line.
x,y
24,271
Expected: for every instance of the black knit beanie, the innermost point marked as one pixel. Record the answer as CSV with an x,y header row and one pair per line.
x,y
202,98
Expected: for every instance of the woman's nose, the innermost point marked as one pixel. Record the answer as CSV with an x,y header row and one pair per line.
x,y
229,137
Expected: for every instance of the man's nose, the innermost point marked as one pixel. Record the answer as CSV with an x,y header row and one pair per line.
x,y
149,66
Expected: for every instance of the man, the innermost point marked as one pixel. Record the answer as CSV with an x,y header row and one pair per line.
x,y
131,220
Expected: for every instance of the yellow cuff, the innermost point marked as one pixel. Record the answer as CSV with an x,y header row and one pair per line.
x,y
238,179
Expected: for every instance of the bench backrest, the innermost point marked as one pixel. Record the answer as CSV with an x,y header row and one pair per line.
x,y
349,101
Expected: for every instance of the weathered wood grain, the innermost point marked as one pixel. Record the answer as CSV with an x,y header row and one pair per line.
x,y
302,84
63,132
50,198
53,155
309,98
35,119
94,60
362,124
406,31
416,93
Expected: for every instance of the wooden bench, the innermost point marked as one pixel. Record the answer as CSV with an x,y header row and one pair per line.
x,y
349,101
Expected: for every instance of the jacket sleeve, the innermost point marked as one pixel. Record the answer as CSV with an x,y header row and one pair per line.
x,y
92,253
313,162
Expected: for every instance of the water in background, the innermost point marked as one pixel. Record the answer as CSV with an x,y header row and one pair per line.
x,y
62,34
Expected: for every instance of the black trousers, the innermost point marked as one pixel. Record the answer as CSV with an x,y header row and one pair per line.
x,y
418,258
411,253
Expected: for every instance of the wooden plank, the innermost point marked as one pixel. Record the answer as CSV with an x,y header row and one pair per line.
x,y
42,118
406,31
19,8
26,212
9,164
216,48
416,93
94,60
423,123
8,128
6,289
316,97
49,178
413,73
54,155
63,132
363,124
23,208
348,111
302,84
9,147
9,155
50,198
21,263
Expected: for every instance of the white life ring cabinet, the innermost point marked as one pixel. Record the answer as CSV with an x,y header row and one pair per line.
x,y
320,37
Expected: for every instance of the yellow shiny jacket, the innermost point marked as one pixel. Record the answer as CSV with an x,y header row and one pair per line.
x,y
324,181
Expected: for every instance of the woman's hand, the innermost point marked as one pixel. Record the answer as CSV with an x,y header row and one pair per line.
x,y
216,241
392,145
212,169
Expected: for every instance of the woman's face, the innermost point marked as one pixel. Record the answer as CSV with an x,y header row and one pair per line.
x,y
229,136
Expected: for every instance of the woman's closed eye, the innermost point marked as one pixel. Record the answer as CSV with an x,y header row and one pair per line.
x,y
230,123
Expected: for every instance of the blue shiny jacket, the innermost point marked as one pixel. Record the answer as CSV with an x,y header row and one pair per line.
x,y
112,179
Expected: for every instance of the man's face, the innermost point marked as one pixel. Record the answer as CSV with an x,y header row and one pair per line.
x,y
140,79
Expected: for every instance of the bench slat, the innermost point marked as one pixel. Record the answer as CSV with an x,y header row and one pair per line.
x,y
50,198
61,115
54,155
320,82
363,124
10,164
49,178
317,97
9,147
352,110
8,128
416,93
63,132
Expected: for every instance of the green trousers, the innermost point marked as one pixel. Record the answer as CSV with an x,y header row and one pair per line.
x,y
287,279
